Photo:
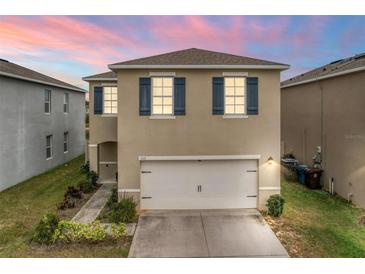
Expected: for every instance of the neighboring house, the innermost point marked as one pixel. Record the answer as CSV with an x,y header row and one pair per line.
x,y
41,123
190,129
325,107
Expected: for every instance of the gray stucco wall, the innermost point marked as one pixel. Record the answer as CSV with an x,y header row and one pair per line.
x,y
24,127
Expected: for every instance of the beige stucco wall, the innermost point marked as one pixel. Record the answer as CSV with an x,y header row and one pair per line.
x,y
343,129
199,132
101,128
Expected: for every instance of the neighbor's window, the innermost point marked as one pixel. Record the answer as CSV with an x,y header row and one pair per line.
x,y
110,100
162,95
65,102
65,142
49,146
234,95
47,101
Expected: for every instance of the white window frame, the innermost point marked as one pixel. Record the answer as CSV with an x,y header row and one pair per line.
x,y
65,141
49,102
66,102
109,113
167,115
236,115
50,147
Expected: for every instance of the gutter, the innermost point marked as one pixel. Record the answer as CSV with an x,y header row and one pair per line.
x,y
40,81
98,79
324,77
116,66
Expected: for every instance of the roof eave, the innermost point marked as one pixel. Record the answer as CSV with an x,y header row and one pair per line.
x,y
89,79
120,66
324,77
40,81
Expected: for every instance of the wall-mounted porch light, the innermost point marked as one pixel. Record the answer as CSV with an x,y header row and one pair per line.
x,y
270,160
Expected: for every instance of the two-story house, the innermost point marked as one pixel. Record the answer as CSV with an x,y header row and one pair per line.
x,y
190,129
41,123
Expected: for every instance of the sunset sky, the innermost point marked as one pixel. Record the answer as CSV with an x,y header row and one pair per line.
x,y
70,47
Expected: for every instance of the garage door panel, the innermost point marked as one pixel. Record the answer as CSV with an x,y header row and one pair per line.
x,y
175,184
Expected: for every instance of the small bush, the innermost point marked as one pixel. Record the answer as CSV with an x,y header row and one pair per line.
x,y
275,205
73,192
85,168
70,232
45,229
113,199
124,211
93,177
87,186
118,231
66,203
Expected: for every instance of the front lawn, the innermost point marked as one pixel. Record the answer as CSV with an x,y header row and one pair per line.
x,y
22,206
316,224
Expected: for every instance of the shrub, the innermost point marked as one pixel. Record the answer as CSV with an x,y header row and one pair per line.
x,y
124,211
70,231
93,177
85,168
66,203
118,231
73,192
113,199
45,229
86,186
275,205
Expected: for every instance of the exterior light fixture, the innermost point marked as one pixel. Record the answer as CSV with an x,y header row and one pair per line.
x,y
270,160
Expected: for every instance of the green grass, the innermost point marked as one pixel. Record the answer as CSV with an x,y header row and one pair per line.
x,y
324,225
22,206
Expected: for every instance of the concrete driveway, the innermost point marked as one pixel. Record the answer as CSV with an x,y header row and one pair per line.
x,y
207,233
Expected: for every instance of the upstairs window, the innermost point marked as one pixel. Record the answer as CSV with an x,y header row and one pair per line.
x,y
110,100
234,95
65,142
49,151
65,103
47,101
162,98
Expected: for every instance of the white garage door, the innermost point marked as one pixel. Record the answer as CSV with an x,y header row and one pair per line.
x,y
211,184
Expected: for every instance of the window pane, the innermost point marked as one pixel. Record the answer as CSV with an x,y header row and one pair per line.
x,y
107,104
167,100
229,100
114,90
240,100
107,109
48,153
167,109
48,141
167,81
157,91
157,82
157,100
107,90
240,109
229,109
167,91
157,109
46,107
107,96
229,91
114,110
240,91
229,81
239,82
114,97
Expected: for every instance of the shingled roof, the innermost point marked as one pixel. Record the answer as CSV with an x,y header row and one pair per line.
x,y
12,70
105,76
333,69
197,58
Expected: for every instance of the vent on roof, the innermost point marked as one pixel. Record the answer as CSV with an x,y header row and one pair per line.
x,y
324,69
334,62
3,60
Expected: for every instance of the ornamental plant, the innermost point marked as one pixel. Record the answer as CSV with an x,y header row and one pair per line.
x,y
275,205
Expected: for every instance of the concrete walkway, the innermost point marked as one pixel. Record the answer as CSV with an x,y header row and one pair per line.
x,y
94,205
204,233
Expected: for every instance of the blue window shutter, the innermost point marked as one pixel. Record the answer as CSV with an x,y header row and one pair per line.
x,y
252,96
179,96
144,96
98,100
218,95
